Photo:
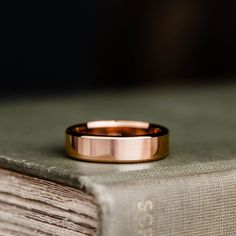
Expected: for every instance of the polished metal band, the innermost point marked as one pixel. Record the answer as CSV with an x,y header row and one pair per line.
x,y
117,141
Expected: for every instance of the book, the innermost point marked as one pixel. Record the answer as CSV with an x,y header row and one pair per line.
x,y
191,192
33,206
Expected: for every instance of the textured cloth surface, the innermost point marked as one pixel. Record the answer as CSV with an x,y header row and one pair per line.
x,y
189,193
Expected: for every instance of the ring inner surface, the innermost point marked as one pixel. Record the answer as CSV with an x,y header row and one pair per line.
x,y
117,131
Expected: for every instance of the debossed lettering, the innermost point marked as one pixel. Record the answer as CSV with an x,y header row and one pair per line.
x,y
145,218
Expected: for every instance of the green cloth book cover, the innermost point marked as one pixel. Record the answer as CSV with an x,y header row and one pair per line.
x,y
191,192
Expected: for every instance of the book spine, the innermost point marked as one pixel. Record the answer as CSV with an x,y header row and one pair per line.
x,y
203,204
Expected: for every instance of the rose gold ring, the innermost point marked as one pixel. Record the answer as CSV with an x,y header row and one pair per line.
x,y
117,141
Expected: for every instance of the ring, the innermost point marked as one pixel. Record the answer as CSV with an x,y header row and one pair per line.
x,y
117,141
